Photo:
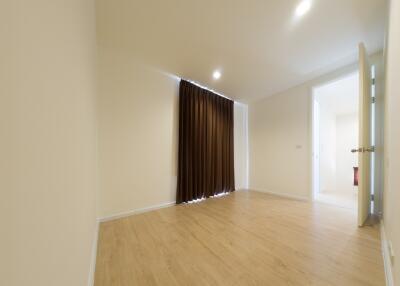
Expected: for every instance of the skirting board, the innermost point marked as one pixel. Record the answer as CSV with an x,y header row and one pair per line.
x,y
283,195
386,257
93,256
136,211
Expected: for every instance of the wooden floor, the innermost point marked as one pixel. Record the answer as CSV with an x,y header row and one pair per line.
x,y
246,238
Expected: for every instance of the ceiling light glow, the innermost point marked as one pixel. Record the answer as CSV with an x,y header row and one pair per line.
x,y
216,74
303,7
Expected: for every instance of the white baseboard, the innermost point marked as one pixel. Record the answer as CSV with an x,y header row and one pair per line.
x,y
386,257
93,256
283,195
136,211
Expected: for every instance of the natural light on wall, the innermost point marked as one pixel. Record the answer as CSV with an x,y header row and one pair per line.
x,y
303,8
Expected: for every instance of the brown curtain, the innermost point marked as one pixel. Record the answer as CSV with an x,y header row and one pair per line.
x,y
205,166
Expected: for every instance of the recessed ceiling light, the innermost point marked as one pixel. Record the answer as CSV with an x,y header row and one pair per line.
x,y
303,7
216,74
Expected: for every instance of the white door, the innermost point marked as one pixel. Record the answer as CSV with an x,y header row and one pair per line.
x,y
365,148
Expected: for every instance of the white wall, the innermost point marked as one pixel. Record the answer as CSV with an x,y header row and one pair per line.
x,y
241,145
327,149
338,134
280,138
48,142
392,137
138,134
346,139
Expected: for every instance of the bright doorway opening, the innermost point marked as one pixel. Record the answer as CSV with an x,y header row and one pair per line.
x,y
335,134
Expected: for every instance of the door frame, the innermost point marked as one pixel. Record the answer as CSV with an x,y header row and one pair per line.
x,y
315,165
329,79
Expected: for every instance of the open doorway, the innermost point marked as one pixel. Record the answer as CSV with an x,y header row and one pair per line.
x,y
335,134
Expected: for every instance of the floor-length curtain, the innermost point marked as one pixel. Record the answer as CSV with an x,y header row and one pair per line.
x,y
205,163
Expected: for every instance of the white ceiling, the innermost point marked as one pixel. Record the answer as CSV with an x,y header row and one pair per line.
x,y
341,96
259,45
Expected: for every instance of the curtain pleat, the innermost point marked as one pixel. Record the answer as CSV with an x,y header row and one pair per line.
x,y
205,163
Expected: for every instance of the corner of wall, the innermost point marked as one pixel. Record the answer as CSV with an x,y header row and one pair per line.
x,y
93,257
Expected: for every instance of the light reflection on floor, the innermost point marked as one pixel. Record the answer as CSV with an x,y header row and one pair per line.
x,y
341,199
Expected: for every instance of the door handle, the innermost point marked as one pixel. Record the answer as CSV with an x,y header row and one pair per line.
x,y
362,149
370,149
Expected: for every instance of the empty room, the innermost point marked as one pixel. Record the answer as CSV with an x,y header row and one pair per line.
x,y
172,142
